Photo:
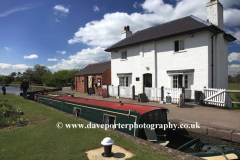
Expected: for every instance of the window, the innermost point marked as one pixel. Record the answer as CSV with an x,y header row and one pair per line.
x,y
77,111
109,120
124,55
179,45
180,81
79,79
123,81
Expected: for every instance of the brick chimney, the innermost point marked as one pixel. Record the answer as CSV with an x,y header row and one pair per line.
x,y
126,33
215,13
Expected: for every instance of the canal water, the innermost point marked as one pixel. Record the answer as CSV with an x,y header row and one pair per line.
x,y
218,141
15,90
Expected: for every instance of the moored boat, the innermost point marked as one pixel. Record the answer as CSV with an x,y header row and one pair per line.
x,y
110,113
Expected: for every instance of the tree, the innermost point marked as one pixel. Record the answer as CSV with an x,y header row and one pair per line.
x,y
40,69
19,74
13,74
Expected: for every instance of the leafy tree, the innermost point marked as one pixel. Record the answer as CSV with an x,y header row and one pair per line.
x,y
19,74
13,74
59,78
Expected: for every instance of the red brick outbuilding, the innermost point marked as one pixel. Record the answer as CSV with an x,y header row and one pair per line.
x,y
93,76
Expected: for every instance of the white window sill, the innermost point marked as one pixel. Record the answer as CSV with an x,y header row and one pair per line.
x,y
124,59
180,51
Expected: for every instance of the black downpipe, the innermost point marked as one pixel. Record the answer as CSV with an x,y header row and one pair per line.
x,y
212,57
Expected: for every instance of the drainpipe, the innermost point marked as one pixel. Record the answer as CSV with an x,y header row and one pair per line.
x,y
212,56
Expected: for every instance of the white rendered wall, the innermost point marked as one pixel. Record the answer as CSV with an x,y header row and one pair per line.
x,y
197,56
220,62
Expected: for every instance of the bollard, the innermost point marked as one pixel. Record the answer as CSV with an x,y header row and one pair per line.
x,y
107,143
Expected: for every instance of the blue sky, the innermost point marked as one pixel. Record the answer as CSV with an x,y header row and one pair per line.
x,y
70,34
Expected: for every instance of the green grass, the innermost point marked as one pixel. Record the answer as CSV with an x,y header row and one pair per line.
x,y
235,96
42,140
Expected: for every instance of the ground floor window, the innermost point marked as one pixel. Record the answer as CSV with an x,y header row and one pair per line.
x,y
179,81
124,81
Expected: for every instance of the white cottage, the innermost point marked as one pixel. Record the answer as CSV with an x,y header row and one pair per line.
x,y
187,52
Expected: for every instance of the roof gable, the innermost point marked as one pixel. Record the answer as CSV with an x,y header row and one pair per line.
x,y
95,68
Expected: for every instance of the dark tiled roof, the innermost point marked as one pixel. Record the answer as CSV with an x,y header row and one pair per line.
x,y
96,68
189,24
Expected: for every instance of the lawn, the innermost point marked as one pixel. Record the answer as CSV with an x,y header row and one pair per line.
x,y
43,140
235,96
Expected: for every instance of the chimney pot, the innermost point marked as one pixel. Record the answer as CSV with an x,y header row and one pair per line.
x,y
128,28
125,28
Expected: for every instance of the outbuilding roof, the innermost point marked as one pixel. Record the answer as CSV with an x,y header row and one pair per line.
x,y
186,25
95,68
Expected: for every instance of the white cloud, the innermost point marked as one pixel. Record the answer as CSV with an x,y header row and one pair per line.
x,y
53,59
135,5
19,8
234,57
82,59
233,69
230,17
57,20
62,52
8,68
31,56
95,8
61,8
104,32
7,49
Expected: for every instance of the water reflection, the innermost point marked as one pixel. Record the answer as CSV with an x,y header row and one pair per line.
x,y
15,90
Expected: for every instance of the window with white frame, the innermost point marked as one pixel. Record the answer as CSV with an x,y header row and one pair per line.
x,y
179,81
124,55
179,45
123,81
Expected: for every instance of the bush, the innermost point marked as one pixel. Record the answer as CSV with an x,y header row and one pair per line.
x,y
9,116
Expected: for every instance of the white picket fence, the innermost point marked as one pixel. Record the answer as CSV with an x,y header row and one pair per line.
x,y
113,91
216,97
154,94
126,92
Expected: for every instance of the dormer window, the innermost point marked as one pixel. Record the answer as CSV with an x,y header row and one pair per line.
x,y
179,45
124,55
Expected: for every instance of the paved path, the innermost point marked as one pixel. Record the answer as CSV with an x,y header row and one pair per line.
x,y
191,113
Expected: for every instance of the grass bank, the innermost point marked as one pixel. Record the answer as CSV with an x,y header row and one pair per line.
x,y
235,96
42,140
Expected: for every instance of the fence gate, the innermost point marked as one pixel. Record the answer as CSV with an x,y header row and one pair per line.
x,y
214,96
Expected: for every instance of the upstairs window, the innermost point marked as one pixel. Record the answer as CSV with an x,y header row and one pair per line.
x,y
124,55
179,45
